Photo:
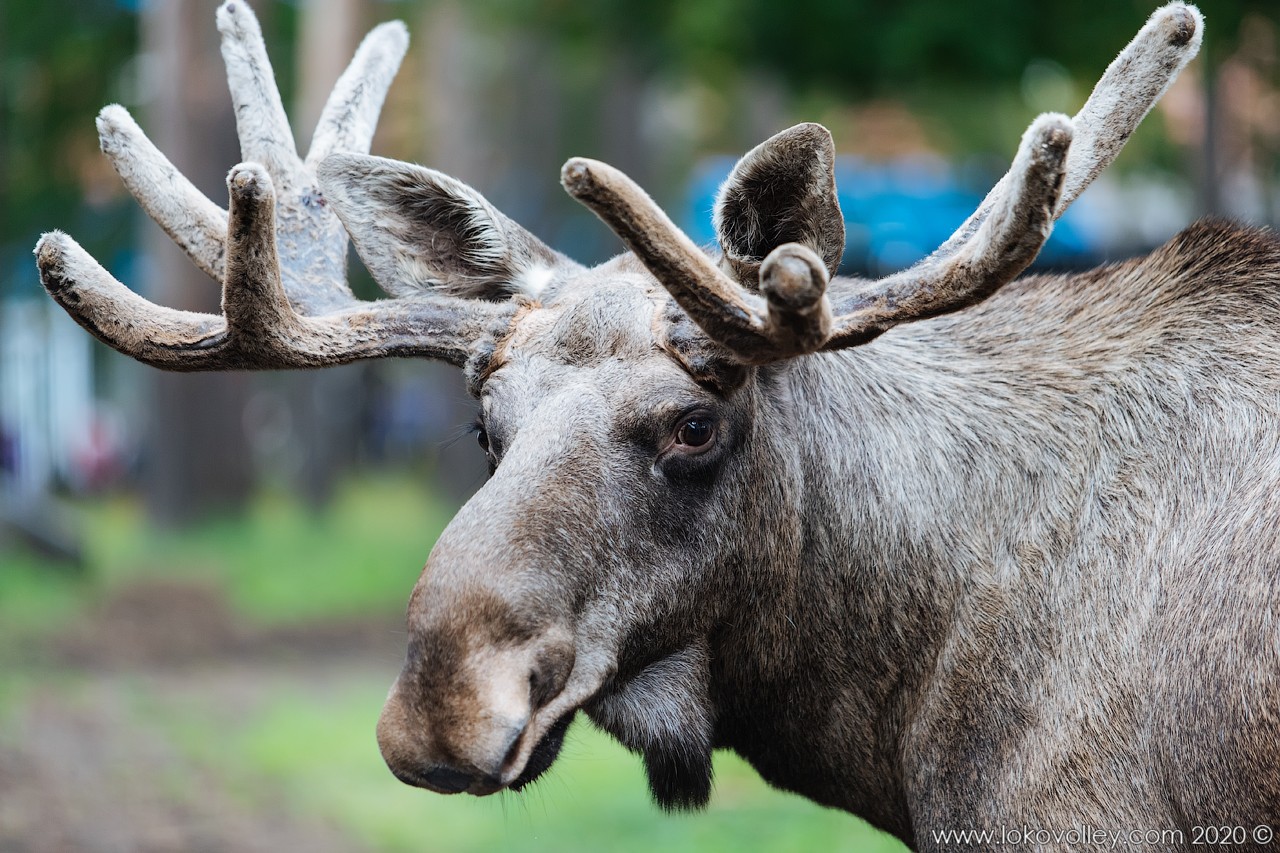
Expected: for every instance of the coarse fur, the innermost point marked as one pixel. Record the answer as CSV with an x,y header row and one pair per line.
x,y
1016,565
1024,525
971,574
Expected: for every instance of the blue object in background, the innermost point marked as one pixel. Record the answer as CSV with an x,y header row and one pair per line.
x,y
895,213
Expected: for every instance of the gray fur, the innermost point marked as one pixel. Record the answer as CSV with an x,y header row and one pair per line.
x,y
974,573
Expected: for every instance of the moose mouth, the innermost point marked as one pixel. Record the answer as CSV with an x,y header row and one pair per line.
x,y
544,753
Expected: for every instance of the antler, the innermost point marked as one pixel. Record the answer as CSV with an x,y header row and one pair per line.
x,y
1057,159
280,252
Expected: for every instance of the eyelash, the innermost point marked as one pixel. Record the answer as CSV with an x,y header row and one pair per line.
x,y
476,428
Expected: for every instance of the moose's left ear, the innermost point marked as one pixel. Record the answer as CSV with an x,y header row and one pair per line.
x,y
782,191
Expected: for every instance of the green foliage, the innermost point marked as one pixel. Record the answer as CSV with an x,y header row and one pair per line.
x,y
60,62
857,47
958,67
35,597
279,563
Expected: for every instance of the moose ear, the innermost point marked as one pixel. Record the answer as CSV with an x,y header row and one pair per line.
x,y
782,191
418,229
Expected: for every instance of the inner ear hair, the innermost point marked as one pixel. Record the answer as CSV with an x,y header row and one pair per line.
x,y
419,230
781,191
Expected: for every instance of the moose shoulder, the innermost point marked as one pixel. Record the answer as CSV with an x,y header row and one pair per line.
x,y
1011,565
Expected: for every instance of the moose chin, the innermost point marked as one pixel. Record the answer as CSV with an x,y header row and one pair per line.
x,y
939,549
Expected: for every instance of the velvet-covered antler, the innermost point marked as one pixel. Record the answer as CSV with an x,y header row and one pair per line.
x,y
280,251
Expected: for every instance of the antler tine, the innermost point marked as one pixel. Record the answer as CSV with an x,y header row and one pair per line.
x,y
261,121
795,316
987,251
264,331
1127,91
1006,241
253,296
351,113
791,319
187,215
431,327
314,243
1000,239
1122,97
119,317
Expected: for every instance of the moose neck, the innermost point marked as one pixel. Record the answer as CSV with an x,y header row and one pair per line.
x,y
911,453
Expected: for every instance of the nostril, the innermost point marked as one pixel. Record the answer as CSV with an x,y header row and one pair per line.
x,y
513,747
447,779
549,675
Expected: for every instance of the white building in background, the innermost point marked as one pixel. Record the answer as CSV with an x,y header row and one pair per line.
x,y
47,412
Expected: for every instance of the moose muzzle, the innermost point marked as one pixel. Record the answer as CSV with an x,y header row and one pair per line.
x,y
463,716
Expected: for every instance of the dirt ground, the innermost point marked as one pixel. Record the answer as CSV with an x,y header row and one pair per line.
x,y
81,770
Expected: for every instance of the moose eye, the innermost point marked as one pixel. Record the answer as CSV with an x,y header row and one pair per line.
x,y
482,435
696,432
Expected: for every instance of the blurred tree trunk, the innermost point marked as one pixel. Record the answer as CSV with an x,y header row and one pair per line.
x,y
455,137
5,153
623,141
1211,171
322,403
458,138
198,458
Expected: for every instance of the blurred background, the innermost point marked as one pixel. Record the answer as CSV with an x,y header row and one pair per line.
x,y
202,578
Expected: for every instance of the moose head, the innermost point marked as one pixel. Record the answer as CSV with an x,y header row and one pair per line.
x,y
669,434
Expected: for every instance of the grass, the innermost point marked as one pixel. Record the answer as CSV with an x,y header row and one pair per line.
x,y
278,563
312,747
35,599
305,744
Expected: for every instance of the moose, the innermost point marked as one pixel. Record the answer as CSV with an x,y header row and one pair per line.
x,y
945,549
